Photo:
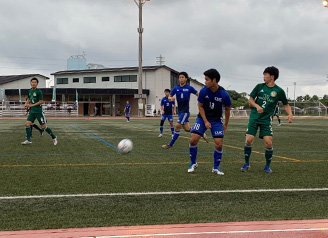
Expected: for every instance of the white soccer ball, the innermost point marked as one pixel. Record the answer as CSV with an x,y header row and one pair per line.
x,y
125,146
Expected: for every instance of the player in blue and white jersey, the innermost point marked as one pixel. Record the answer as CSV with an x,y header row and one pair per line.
x,y
166,109
127,110
182,92
211,100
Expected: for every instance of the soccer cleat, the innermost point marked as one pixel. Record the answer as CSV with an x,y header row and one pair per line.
x,y
27,142
279,124
192,167
127,121
217,171
205,137
160,135
245,167
267,169
55,141
165,147
41,132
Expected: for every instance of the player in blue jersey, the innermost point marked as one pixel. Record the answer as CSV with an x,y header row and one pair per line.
x,y
127,111
211,100
166,109
182,92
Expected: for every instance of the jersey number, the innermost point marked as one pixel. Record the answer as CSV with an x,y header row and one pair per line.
x,y
263,105
212,105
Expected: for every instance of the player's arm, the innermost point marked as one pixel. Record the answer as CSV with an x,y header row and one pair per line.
x,y
162,109
252,102
227,117
288,109
174,109
202,114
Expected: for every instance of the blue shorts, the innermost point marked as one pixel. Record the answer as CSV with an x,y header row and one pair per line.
x,y
169,118
127,113
183,118
216,130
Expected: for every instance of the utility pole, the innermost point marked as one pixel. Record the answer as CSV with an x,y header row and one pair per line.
x,y
140,4
160,60
294,96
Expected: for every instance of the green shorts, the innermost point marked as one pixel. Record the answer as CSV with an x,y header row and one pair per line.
x,y
265,130
39,116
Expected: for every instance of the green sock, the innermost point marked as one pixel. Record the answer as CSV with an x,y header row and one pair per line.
x,y
268,156
28,133
247,152
50,132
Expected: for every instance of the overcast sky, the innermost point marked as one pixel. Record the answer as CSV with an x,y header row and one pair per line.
x,y
239,38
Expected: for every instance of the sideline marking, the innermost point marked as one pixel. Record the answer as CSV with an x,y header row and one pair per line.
x,y
164,193
96,137
209,233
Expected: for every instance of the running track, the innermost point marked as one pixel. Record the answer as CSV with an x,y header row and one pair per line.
x,y
257,229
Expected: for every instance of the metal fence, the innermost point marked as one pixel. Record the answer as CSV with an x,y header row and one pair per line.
x,y
54,109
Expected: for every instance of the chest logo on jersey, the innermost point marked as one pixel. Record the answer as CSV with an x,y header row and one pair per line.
x,y
185,90
273,94
34,94
218,99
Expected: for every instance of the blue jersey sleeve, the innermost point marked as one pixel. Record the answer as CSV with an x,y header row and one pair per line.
x,y
173,92
201,95
162,102
193,90
226,99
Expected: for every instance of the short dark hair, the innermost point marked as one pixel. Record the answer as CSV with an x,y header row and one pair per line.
x,y
213,74
184,74
34,79
167,90
272,71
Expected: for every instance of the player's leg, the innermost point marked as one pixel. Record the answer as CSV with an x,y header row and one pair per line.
x,y
183,118
38,128
127,115
250,135
161,125
170,119
266,134
196,132
175,136
268,153
42,120
279,120
217,133
28,124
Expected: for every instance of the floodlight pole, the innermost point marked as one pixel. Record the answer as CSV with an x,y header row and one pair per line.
x,y
140,4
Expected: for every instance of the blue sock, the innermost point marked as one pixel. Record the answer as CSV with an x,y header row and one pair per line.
x,y
217,158
193,153
172,130
161,129
128,118
175,137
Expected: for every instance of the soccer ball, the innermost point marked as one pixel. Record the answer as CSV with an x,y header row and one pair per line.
x,y
125,146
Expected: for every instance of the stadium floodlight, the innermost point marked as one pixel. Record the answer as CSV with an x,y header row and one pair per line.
x,y
325,3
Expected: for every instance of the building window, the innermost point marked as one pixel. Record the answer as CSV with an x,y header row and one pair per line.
x,y
89,79
76,80
62,80
105,79
125,78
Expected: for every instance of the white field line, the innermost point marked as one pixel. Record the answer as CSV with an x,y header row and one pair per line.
x,y
164,193
209,233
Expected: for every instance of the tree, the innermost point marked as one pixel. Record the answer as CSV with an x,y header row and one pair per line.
x,y
315,98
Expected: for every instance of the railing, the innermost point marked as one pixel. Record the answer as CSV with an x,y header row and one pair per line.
x,y
51,109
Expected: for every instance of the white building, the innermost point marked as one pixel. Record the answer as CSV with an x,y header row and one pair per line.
x,y
110,88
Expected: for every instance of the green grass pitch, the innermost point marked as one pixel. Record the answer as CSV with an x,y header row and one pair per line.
x,y
84,162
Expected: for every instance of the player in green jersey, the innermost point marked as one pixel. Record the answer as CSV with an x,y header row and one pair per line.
x,y
34,102
263,100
